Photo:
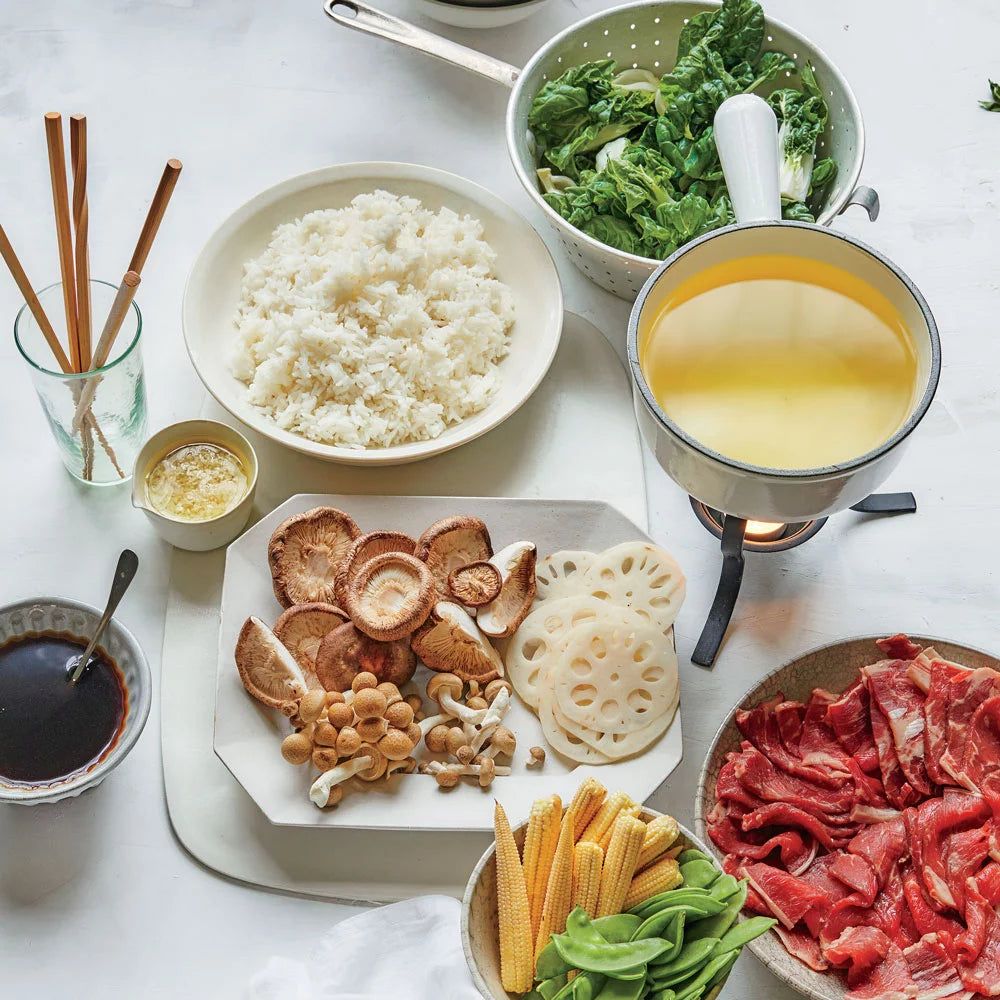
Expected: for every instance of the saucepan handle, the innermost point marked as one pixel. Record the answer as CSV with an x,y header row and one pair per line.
x,y
361,17
867,198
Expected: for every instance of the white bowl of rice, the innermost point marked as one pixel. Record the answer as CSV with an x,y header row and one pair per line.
x,y
373,313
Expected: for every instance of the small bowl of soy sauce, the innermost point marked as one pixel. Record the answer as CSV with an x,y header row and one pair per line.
x,y
58,738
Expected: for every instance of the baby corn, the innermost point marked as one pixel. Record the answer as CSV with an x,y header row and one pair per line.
x,y
605,841
661,877
619,864
660,836
517,962
605,817
540,842
559,891
587,862
586,802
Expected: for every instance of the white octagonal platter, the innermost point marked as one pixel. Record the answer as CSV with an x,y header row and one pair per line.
x,y
247,735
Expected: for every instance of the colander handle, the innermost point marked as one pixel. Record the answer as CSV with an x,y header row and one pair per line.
x,y
370,21
746,135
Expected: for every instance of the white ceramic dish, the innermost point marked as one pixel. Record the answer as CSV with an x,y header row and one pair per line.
x,y
478,15
523,262
195,536
247,735
45,614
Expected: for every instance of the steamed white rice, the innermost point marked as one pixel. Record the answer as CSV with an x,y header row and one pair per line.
x,y
373,325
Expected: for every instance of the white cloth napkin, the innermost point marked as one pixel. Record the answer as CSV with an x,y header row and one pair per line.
x,y
405,951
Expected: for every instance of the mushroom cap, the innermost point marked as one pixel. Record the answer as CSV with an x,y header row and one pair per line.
x,y
268,671
495,687
348,741
436,738
450,641
487,772
377,767
395,745
304,553
312,705
476,584
390,596
445,683
413,733
465,754
502,616
340,715
451,543
477,704
301,629
399,715
391,692
369,703
296,748
335,795
503,740
325,758
366,679
371,730
346,653
325,735
446,779
454,740
366,547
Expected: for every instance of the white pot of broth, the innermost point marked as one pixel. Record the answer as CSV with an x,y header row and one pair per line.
x,y
778,367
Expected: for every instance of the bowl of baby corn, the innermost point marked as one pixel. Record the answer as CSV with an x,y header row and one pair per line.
x,y
601,899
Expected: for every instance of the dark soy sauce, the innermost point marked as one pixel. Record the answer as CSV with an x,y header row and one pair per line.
x,y
51,729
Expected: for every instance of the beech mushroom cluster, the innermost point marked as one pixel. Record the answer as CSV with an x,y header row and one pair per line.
x,y
361,611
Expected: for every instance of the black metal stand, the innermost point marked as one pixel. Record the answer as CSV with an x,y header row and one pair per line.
x,y
731,576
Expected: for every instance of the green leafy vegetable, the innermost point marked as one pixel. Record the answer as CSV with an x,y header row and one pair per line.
x,y
630,159
993,104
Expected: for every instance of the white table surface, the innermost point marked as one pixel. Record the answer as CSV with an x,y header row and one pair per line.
x,y
96,897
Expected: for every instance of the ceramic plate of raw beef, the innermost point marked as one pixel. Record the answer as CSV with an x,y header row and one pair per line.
x,y
857,788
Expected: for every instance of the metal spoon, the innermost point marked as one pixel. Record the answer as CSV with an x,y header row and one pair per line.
x,y
128,563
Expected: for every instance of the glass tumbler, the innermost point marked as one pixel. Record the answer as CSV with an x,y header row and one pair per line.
x,y
98,418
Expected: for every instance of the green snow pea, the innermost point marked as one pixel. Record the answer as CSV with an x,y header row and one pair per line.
x,y
743,933
713,970
622,989
614,929
699,873
656,995
692,854
581,987
726,886
584,948
660,924
549,988
674,933
717,925
697,899
693,955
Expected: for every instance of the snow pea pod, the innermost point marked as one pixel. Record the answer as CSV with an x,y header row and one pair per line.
x,y
717,925
694,897
549,988
622,989
666,994
692,854
693,955
713,969
726,886
614,929
674,933
743,933
699,873
660,924
619,960
581,987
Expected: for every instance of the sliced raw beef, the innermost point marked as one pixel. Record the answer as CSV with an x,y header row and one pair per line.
x,y
759,726
818,876
857,874
794,851
898,790
850,719
988,883
789,898
760,777
803,946
789,716
932,968
882,845
927,919
982,974
858,947
902,703
982,747
831,836
977,920
889,979
819,746
965,853
942,674
899,647
966,694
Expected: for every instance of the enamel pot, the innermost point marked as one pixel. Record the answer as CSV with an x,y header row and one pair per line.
x,y
746,135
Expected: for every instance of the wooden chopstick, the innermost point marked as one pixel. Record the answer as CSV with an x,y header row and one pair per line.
x,y
81,227
24,286
119,308
60,204
154,216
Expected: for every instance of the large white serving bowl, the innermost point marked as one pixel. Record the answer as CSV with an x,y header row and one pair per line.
x,y
523,262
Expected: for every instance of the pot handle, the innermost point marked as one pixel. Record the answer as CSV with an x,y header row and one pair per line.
x,y
360,17
746,135
867,198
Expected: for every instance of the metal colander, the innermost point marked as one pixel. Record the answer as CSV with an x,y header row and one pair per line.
x,y
635,35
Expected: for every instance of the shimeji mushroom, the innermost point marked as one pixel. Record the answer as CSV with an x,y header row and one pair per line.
x,y
492,719
447,775
502,742
501,617
407,765
450,641
446,689
390,596
536,757
367,763
450,544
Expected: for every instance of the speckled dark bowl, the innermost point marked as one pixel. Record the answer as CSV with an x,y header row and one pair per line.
x,y
833,667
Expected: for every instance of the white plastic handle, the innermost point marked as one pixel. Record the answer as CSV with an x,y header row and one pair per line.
x,y
746,135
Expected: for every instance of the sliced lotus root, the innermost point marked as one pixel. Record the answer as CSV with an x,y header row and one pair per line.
x,y
614,746
530,652
639,576
561,739
561,574
614,676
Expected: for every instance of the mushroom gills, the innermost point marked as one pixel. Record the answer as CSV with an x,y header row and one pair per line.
x,y
390,596
268,671
501,617
450,641
450,544
302,628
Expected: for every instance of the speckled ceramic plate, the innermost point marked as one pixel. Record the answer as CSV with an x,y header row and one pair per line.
x,y
833,667
480,919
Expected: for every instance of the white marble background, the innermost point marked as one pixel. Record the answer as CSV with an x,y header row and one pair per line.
x,y
96,898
